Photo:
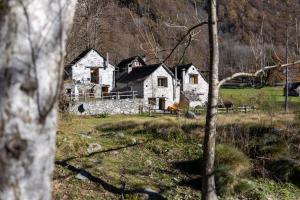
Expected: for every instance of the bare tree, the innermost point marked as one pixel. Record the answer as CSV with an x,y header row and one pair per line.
x,y
32,49
208,181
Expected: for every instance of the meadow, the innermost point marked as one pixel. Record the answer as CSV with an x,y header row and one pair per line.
x,y
259,96
159,157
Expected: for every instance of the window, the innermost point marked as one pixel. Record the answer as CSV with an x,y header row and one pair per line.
x,y
162,82
194,79
152,101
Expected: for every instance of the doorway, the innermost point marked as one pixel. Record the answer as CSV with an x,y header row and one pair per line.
x,y
95,75
162,104
104,91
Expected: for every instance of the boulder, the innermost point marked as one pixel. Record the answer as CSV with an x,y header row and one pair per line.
x,y
94,147
190,115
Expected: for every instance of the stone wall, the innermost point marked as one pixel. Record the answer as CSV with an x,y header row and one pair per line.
x,y
112,107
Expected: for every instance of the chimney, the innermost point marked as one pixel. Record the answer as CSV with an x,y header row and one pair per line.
x,y
107,59
144,58
183,79
176,76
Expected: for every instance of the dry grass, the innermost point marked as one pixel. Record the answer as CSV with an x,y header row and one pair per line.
x,y
148,162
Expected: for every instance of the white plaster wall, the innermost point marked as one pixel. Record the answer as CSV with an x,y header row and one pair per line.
x,y
106,77
201,88
81,71
151,89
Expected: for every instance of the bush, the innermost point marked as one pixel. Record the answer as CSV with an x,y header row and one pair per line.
x,y
270,146
231,166
166,130
102,115
286,171
117,126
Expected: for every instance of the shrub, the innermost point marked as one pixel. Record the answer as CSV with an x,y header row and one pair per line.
x,y
117,126
102,115
297,118
234,158
166,130
285,170
270,146
231,166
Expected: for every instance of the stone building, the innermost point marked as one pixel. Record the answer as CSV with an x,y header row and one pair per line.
x,y
126,65
293,89
193,87
91,68
155,84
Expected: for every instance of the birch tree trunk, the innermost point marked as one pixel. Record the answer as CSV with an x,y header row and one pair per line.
x,y
208,184
32,43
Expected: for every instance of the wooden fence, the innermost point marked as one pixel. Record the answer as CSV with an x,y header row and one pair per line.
x,y
198,111
85,96
242,109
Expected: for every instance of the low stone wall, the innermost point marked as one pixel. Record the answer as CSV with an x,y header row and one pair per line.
x,y
112,107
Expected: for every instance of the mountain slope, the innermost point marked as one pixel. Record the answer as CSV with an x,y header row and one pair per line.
x,y
124,28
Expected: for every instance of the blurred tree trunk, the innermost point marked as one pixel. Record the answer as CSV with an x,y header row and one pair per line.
x,y
32,45
208,183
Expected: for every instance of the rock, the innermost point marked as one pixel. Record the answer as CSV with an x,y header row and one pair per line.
x,y
133,141
94,147
95,161
114,153
190,115
120,135
150,194
176,180
82,176
148,162
86,135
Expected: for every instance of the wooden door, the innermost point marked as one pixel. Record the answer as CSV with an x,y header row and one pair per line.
x,y
162,104
105,91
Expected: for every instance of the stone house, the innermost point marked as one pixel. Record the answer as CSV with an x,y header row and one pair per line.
x,y
193,87
155,84
91,68
126,65
293,89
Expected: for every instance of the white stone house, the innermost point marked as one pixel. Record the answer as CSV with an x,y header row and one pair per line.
x,y
126,65
155,84
193,87
90,67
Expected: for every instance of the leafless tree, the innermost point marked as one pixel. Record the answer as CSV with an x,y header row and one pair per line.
x,y
208,180
32,48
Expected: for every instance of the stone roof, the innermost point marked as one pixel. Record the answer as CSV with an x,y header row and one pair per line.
x,y
141,73
80,56
130,60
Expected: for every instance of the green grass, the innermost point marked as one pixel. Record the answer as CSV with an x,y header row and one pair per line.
x,y
150,164
253,95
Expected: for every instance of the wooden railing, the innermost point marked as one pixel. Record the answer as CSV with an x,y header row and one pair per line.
x,y
198,111
85,96
243,109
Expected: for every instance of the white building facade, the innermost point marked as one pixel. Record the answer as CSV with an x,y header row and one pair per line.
x,y
92,68
155,84
194,88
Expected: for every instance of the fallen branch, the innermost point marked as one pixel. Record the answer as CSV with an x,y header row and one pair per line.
x,y
240,74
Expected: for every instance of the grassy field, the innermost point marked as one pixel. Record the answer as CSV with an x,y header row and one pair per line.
x,y
159,157
273,95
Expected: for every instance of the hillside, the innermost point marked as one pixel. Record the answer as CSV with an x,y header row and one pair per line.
x,y
125,28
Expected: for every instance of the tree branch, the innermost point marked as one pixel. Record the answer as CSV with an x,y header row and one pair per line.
x,y
183,37
186,47
256,73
